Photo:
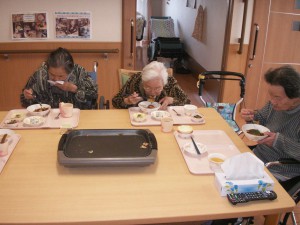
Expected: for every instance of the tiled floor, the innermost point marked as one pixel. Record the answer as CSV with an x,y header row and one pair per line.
x,y
188,83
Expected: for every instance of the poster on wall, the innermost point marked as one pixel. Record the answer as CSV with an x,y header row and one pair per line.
x,y
73,25
29,26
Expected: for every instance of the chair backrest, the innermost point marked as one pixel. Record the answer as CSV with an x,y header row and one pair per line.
x,y
125,74
226,110
93,75
162,27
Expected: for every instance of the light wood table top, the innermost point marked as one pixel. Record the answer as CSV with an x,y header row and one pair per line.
x,y
34,188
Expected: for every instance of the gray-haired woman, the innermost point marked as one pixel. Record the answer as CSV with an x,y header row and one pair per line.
x,y
152,83
60,80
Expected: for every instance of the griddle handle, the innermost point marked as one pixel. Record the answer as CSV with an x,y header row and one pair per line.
x,y
62,142
153,141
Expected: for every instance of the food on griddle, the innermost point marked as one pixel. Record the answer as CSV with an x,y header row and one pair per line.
x,y
255,132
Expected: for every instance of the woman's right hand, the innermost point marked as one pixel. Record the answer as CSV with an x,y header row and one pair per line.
x,y
247,114
133,99
28,94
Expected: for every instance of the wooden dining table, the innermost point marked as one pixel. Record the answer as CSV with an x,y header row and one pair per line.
x,y
36,189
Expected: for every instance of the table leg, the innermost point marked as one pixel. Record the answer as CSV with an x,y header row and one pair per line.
x,y
272,219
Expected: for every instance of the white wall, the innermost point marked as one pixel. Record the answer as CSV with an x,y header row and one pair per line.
x,y
106,17
209,52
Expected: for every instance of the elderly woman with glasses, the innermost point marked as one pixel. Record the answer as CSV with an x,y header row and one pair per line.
x,y
60,80
152,84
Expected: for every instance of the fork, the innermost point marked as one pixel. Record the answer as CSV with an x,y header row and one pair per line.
x,y
178,114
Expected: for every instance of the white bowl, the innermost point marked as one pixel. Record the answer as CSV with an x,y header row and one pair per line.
x,y
34,121
139,117
34,109
185,131
260,128
189,148
189,109
215,161
196,117
157,115
148,107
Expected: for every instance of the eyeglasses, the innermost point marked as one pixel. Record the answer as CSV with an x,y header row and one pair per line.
x,y
153,89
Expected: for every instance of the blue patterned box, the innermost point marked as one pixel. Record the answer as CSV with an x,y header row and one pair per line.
x,y
240,186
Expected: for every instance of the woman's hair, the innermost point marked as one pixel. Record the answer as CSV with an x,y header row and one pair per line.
x,y
155,70
287,77
61,57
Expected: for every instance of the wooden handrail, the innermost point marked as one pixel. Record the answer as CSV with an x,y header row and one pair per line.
x,y
29,51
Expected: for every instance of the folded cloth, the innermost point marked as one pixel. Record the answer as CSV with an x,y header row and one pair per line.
x,y
245,166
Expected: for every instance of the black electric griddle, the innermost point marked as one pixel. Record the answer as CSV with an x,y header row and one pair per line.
x,y
107,147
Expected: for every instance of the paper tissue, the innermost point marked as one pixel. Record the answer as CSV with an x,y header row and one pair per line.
x,y
243,173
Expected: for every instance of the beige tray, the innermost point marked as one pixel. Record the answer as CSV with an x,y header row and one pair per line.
x,y
216,141
49,123
13,142
183,119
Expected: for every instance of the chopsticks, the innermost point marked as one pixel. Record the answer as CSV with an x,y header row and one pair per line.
x,y
196,147
3,138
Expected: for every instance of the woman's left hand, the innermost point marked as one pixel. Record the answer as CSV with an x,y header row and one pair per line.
x,y
269,140
67,86
165,102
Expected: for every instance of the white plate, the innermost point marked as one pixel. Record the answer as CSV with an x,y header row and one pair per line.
x,y
157,115
11,123
189,148
18,116
251,137
34,121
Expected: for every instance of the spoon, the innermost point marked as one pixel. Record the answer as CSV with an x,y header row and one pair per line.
x,y
178,114
57,117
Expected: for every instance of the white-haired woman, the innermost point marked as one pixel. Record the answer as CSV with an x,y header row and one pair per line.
x,y
152,83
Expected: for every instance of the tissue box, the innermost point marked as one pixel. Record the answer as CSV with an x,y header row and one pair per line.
x,y
240,186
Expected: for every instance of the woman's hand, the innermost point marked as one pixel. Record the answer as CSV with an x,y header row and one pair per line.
x,y
269,140
133,99
28,94
247,114
165,102
67,86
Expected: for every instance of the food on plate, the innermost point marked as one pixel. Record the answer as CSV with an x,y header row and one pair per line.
x,y
151,106
185,129
34,121
157,115
217,160
139,117
41,109
255,132
197,116
12,121
17,116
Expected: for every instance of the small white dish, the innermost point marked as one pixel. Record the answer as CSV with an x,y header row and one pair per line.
x,y
18,116
139,117
197,118
189,109
39,110
34,121
157,115
185,131
189,148
248,127
11,123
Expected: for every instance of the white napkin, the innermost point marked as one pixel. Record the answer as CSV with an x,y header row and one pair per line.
x,y
55,82
245,166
